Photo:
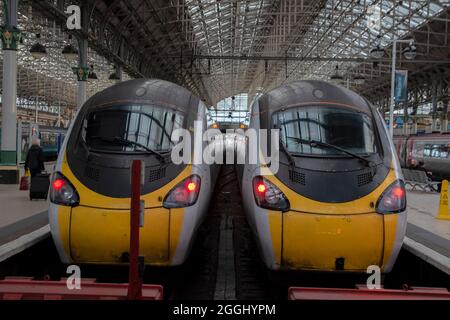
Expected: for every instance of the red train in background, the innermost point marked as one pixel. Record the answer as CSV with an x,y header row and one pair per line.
x,y
429,152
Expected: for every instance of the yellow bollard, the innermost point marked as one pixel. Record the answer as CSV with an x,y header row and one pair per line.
x,y
443,213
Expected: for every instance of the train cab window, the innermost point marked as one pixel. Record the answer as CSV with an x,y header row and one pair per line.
x,y
134,128
443,151
427,150
345,128
435,153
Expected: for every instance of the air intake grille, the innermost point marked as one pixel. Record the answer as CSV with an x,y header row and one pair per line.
x,y
92,173
364,178
156,174
297,177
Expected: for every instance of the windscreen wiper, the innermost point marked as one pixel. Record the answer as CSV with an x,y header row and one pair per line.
x,y
123,141
315,143
288,154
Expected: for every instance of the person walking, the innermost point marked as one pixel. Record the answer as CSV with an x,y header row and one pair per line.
x,y
35,158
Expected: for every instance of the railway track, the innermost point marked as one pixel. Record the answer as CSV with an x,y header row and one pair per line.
x,y
224,261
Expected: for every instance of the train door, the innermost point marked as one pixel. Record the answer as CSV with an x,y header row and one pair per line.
x,y
403,152
409,150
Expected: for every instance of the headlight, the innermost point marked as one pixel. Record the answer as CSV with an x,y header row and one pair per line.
x,y
393,199
268,196
62,191
184,194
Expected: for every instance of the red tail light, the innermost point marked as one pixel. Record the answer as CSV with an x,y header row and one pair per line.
x,y
63,192
58,183
268,196
393,199
184,194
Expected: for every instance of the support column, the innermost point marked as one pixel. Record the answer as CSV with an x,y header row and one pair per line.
x,y
392,105
82,72
58,123
405,118
434,103
9,109
444,118
10,37
415,126
119,73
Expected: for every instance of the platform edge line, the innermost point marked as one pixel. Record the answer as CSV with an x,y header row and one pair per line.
x,y
428,255
22,243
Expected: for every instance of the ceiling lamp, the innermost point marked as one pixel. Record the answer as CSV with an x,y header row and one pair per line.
x,y
115,75
359,79
37,50
336,78
92,75
69,51
410,51
377,52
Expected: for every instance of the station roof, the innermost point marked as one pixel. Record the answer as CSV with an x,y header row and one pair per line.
x,y
219,48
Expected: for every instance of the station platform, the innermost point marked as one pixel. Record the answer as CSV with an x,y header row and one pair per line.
x,y
22,222
426,236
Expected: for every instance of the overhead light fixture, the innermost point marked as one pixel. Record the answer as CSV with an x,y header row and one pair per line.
x,y
410,51
115,75
336,77
377,52
37,50
69,51
359,79
92,75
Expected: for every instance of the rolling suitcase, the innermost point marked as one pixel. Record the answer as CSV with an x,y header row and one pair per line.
x,y
39,186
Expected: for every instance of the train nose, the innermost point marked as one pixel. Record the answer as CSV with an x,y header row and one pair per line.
x,y
102,235
332,242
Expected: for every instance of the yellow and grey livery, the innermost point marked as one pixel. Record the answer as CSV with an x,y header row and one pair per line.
x,y
337,202
89,208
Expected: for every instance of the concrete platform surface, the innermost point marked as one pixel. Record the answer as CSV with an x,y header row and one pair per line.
x,y
426,236
19,215
15,205
422,211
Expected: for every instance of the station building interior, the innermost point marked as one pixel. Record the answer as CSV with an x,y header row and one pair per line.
x,y
228,53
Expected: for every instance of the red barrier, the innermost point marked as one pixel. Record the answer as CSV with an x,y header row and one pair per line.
x,y
19,288
363,293
28,289
135,279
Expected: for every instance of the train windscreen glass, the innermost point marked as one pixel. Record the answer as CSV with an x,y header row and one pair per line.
x,y
131,128
318,130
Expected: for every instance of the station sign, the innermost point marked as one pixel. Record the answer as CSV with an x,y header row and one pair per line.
x,y
401,86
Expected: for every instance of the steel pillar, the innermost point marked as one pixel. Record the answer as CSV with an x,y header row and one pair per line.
x,y
82,72
10,35
434,103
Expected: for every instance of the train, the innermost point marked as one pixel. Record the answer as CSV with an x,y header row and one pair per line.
x,y
51,139
89,210
428,152
337,202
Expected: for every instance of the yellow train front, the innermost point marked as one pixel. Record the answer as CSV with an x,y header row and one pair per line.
x,y
337,201
89,208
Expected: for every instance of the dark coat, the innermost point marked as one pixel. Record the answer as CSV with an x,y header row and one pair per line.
x,y
35,158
